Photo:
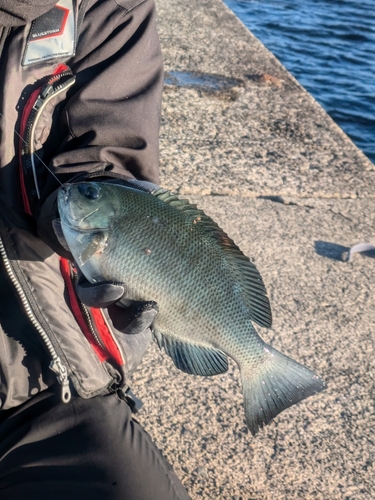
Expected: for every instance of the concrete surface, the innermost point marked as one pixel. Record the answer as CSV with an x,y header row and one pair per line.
x,y
268,164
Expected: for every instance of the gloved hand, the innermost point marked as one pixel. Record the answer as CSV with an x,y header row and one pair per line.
x,y
130,317
131,321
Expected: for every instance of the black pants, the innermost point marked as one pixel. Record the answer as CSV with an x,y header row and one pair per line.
x,y
87,449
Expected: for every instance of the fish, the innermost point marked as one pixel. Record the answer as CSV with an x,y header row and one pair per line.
x,y
209,294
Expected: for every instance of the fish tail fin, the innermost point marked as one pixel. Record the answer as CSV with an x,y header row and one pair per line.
x,y
275,384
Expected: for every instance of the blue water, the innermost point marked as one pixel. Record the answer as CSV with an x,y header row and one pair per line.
x,y
329,46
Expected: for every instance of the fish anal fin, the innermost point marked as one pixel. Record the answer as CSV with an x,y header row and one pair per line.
x,y
97,244
279,383
192,358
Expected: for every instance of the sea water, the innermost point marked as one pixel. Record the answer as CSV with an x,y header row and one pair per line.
x,y
329,46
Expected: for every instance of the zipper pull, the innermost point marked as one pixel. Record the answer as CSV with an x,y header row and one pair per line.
x,y
63,379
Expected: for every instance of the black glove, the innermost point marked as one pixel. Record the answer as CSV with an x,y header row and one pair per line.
x,y
130,317
130,321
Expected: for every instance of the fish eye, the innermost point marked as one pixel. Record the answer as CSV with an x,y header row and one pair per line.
x,y
90,191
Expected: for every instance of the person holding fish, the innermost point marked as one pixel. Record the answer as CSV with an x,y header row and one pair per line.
x,y
96,259
81,84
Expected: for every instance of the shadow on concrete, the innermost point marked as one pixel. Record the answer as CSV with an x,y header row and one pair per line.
x,y
342,253
332,250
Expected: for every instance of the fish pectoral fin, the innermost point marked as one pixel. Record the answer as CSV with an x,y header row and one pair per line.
x,y
275,384
192,358
97,244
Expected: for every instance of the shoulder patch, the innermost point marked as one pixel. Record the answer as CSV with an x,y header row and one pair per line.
x,y
52,35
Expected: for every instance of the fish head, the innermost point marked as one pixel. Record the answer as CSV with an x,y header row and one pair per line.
x,y
87,212
87,206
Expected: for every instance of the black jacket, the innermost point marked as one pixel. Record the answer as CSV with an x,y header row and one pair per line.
x,y
87,103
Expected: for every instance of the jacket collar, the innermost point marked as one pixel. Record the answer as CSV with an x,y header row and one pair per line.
x,y
20,12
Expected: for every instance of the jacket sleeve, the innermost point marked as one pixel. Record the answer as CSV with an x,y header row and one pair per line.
x,y
111,117
109,124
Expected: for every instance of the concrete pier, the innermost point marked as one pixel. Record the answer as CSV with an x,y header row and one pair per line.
x,y
242,139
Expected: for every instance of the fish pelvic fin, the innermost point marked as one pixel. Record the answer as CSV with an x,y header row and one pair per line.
x,y
276,384
192,358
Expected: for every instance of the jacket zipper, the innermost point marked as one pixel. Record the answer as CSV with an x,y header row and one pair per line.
x,y
56,365
87,316
50,91
91,327
90,324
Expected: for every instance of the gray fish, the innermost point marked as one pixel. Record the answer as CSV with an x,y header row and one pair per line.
x,y
208,292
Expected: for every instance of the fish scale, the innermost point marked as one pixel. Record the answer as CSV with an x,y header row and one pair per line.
x,y
208,292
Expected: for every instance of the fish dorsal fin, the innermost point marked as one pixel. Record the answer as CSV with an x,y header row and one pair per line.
x,y
252,287
193,358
